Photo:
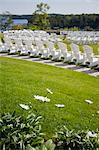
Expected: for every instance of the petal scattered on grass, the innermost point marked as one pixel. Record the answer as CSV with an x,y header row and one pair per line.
x,y
60,105
42,98
88,101
24,106
90,134
49,91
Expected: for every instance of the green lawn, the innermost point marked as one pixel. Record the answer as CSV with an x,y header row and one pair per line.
x,y
1,36
95,48
20,80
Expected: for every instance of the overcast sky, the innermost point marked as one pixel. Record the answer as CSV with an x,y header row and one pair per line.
x,y
56,6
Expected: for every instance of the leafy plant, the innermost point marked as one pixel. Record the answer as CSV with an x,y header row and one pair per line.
x,y
81,140
17,132
24,133
41,18
48,145
20,133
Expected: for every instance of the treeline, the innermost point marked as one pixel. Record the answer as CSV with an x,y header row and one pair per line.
x,y
58,21
83,22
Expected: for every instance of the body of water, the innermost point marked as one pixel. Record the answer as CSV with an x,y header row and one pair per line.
x,y
20,21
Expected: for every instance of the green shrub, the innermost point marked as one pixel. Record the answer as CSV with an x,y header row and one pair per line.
x,y
81,140
34,27
24,133
17,132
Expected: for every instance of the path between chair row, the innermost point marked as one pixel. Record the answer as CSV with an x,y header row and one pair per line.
x,y
86,70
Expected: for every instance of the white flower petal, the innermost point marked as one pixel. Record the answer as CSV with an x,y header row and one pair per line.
x,y
88,101
90,134
42,98
47,99
60,105
24,106
49,91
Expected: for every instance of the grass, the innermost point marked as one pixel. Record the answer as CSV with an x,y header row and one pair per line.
x,y
20,80
1,36
95,48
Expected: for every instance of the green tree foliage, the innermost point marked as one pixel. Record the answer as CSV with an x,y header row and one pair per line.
x,y
41,16
6,21
83,21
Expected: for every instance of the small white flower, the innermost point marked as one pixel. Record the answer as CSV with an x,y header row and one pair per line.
x,y
49,91
24,106
88,101
60,105
42,98
90,134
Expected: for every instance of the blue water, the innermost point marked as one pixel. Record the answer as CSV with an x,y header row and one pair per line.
x,y
20,21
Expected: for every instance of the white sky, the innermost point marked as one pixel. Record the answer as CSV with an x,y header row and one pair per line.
x,y
56,6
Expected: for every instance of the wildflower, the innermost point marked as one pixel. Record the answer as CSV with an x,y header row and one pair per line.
x,y
88,101
49,91
26,107
60,105
42,98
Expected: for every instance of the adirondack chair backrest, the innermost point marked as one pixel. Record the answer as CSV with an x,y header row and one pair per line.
x,y
75,51
62,46
88,52
50,46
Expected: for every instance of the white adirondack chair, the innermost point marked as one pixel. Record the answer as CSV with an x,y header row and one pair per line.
x,y
45,52
18,44
7,44
64,52
77,57
55,54
2,48
33,51
36,48
90,58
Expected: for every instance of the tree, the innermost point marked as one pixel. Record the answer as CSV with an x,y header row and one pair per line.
x,y
41,17
6,21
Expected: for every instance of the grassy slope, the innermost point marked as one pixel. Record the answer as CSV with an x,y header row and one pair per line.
x,y
20,80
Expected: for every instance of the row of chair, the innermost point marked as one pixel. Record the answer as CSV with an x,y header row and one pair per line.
x,y
41,46
82,37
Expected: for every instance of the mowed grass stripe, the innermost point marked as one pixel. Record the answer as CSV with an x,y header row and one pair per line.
x,y
20,80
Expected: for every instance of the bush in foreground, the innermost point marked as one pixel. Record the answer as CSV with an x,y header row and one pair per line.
x,y
81,140
24,133
20,133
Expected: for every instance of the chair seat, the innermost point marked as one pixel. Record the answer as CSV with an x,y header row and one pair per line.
x,y
12,51
94,62
56,55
